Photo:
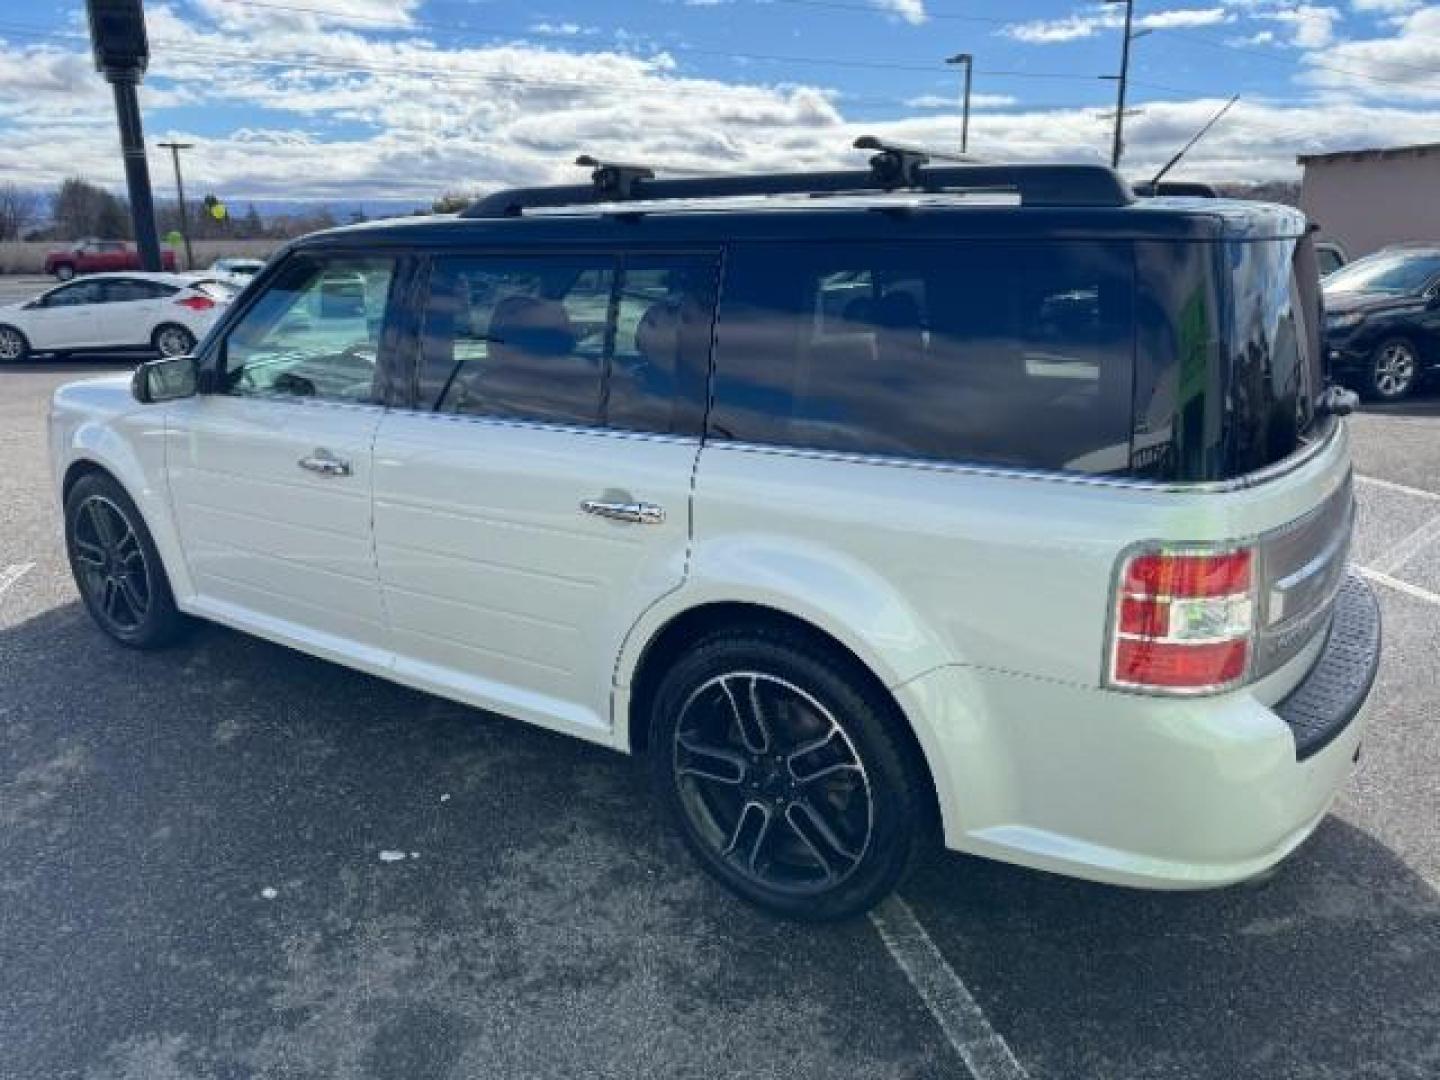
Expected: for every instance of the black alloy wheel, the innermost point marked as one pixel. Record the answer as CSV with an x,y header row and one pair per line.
x,y
116,566
788,772
773,783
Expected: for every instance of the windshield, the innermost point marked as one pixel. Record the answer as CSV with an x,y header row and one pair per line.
x,y
1397,274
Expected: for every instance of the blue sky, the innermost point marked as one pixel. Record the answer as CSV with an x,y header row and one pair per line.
x,y
376,99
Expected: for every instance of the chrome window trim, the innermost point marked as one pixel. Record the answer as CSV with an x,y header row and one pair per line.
x,y
1274,471
541,425
305,402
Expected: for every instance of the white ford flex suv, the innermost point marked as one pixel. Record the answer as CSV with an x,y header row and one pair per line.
x,y
985,502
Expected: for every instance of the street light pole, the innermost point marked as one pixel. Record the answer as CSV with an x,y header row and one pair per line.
x,y
175,148
1118,146
969,62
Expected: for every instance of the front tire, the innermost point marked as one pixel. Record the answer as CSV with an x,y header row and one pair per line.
x,y
783,770
13,346
172,340
1394,370
117,567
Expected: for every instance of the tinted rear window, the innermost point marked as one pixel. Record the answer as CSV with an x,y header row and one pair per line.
x,y
993,352
1229,357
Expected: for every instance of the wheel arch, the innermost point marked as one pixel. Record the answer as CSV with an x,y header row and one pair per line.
x,y
93,449
687,626
171,324
29,346
81,467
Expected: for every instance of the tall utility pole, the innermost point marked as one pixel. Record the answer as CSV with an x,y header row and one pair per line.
x,y
175,148
117,36
1118,146
969,62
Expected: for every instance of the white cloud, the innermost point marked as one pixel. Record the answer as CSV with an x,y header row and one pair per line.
x,y
310,15
1402,66
1182,18
1384,5
564,29
952,101
1079,26
373,117
1314,27
912,11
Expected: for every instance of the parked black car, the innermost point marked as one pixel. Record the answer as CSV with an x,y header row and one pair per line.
x,y
1382,321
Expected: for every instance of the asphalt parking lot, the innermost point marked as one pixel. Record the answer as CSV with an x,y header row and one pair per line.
x,y
229,860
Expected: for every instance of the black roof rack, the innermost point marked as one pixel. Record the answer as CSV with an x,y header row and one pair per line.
x,y
1192,188
895,166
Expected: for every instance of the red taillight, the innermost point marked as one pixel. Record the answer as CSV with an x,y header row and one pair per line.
x,y
1183,621
196,302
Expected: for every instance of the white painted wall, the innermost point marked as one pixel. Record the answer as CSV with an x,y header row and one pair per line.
x,y
1370,202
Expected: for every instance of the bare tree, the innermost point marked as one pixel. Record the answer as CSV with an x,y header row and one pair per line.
x,y
18,210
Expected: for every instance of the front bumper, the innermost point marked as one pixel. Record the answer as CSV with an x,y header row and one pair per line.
x,y
1147,791
1348,357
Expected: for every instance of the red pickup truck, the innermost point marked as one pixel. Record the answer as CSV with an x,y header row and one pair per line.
x,y
95,256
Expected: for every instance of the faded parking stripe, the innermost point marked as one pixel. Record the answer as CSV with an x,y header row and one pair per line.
x,y
11,574
1391,485
1399,586
985,1053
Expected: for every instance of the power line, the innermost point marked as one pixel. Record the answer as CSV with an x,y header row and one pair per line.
x,y
192,53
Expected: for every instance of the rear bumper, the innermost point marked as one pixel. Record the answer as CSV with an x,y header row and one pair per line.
x,y
1329,698
1151,792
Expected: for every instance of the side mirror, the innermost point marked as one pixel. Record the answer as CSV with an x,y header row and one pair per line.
x,y
165,380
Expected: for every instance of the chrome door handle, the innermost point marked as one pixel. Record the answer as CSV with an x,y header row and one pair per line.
x,y
637,513
325,463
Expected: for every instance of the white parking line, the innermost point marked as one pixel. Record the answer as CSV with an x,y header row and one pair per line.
x,y
979,1045
11,574
1391,485
1408,546
1400,586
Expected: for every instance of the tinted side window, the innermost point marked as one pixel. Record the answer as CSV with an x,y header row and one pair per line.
x,y
589,340
997,352
664,317
517,338
82,292
314,332
121,290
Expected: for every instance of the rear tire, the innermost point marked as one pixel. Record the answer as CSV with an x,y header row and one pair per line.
x,y
1394,370
117,567
780,764
13,346
64,273
171,339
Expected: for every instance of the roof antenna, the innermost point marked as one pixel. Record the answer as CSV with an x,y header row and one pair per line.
x,y
1155,183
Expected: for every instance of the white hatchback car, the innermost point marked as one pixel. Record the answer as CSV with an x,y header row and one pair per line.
x,y
166,313
237,271
863,506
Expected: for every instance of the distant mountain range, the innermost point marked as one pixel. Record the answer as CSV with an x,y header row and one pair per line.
x,y
340,210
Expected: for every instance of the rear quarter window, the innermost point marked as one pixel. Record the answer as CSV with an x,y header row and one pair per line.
x,y
1229,357
993,352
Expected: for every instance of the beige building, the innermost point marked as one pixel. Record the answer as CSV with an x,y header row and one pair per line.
x,y
1367,199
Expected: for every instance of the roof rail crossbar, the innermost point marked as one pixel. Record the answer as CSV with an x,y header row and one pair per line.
x,y
1036,185
898,164
614,180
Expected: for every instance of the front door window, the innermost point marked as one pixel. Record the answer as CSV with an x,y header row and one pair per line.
x,y
315,333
